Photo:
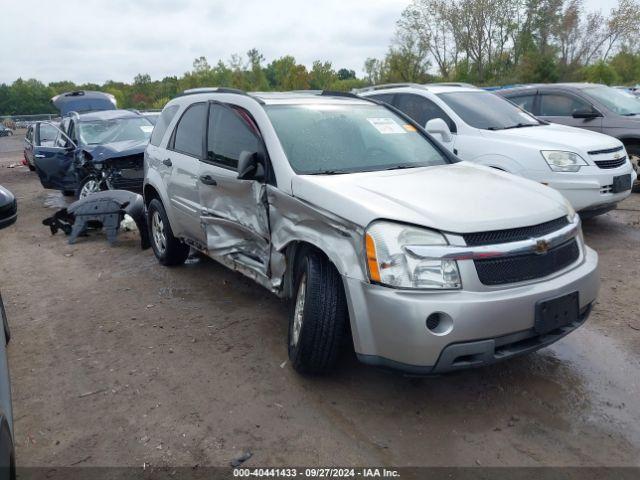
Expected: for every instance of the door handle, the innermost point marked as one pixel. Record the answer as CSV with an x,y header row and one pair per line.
x,y
208,180
167,162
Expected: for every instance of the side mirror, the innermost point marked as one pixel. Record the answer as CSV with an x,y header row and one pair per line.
x,y
250,166
585,114
437,126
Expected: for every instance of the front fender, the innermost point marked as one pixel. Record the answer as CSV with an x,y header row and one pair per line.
x,y
501,162
154,180
293,220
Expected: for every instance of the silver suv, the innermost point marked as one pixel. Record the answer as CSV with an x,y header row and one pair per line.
x,y
375,231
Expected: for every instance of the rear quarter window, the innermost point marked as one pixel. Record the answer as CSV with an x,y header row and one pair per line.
x,y
162,124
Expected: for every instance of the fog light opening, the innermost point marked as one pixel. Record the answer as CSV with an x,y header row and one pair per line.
x,y
439,323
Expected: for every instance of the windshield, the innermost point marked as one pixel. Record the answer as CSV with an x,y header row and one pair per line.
x,y
619,101
487,111
98,132
326,139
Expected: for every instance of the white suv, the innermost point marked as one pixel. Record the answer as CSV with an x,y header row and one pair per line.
x,y
590,169
374,230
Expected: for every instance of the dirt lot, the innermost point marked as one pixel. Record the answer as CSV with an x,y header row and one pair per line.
x,y
118,361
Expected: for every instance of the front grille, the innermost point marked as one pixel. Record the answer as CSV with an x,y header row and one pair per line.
x,y
525,267
9,210
514,234
605,151
618,162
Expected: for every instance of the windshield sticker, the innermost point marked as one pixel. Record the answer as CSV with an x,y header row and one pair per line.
x,y
146,128
386,126
409,128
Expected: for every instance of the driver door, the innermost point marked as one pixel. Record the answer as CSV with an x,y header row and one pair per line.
x,y
54,161
234,212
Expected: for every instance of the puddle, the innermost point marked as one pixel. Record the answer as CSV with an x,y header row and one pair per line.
x,y
610,379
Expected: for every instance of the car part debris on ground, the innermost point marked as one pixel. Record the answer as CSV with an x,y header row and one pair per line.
x,y
102,210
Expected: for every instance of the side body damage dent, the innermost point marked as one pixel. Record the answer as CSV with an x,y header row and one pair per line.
x,y
256,245
293,220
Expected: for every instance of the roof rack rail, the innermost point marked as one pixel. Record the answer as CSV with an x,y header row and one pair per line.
x,y
387,85
333,93
195,91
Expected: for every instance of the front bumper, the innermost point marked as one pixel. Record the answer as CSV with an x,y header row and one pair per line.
x,y
588,189
489,324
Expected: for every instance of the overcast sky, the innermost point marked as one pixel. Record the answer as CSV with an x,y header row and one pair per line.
x,y
99,40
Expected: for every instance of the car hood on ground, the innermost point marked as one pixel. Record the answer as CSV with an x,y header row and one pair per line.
x,y
108,151
6,197
458,198
556,137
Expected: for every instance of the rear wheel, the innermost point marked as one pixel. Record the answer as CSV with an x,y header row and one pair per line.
x,y
168,249
318,320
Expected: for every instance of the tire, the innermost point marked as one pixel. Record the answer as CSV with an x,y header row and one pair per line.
x,y
88,185
169,250
633,150
69,193
5,323
318,319
31,167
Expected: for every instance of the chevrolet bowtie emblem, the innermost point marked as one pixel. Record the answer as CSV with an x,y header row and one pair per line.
x,y
542,247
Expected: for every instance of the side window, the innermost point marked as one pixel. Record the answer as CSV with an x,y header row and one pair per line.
x,y
189,132
422,109
560,105
163,123
383,97
230,133
524,101
47,135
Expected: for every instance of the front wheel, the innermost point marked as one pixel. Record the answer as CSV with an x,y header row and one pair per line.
x,y
318,320
634,157
169,250
88,186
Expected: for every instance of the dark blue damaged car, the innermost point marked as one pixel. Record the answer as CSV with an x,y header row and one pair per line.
x,y
102,150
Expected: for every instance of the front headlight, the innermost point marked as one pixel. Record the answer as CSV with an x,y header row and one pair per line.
x,y
391,264
560,161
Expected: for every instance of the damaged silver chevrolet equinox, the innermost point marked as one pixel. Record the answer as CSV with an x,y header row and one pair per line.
x,y
373,230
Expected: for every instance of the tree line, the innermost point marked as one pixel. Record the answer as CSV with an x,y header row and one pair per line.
x,y
484,42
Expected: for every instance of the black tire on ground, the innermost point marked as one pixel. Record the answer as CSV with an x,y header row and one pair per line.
x,y
5,322
634,151
83,183
173,252
31,167
317,345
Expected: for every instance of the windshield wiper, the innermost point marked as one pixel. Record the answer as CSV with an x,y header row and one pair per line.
x,y
403,166
327,172
631,114
518,125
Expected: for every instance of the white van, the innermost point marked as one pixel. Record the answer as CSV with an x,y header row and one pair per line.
x,y
590,169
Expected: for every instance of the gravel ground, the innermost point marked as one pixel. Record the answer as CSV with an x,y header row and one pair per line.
x,y
118,361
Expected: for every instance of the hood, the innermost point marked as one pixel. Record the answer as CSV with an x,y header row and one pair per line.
x,y
108,151
460,198
556,137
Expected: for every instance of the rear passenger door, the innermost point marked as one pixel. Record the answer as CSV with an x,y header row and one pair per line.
x,y
234,212
180,170
558,107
